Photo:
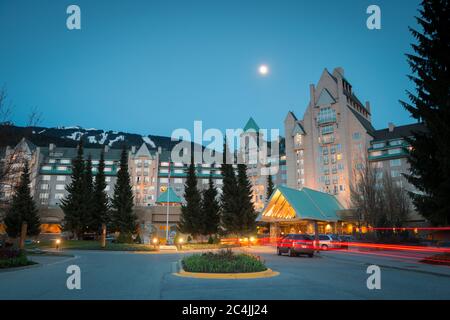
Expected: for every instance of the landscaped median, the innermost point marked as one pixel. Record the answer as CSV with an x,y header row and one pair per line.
x,y
224,264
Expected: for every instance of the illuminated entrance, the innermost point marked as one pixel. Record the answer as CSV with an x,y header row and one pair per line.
x,y
301,211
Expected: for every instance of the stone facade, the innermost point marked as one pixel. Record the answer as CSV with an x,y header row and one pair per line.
x,y
332,139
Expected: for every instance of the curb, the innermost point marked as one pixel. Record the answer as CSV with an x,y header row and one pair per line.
x,y
269,273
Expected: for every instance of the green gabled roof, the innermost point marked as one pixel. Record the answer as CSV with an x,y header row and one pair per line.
x,y
251,125
168,196
309,204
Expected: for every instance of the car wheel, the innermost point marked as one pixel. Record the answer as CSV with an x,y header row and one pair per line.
x,y
279,251
311,255
324,247
291,253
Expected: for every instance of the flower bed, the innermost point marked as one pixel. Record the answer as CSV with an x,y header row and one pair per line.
x,y
224,261
10,258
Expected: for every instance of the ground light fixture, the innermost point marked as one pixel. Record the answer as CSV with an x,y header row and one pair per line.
x,y
180,243
57,244
155,242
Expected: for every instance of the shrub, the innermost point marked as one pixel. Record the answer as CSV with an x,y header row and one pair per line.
x,y
10,258
225,261
210,240
125,238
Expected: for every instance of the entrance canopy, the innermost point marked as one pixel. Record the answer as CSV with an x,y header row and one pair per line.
x,y
288,204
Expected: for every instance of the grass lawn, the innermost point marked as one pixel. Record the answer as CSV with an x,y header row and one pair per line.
x,y
224,261
91,245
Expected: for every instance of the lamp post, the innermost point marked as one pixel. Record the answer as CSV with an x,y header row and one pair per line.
x,y
168,206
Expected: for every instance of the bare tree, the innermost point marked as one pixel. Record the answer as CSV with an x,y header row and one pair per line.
x,y
396,202
365,194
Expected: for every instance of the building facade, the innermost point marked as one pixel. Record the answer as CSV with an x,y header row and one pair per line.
x,y
335,138
331,140
388,153
259,160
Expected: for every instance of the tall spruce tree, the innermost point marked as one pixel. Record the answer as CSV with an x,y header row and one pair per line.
x,y
74,205
191,213
270,187
100,200
88,192
23,209
210,210
430,152
123,216
229,200
247,214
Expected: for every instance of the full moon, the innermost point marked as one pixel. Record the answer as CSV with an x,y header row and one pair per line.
x,y
263,69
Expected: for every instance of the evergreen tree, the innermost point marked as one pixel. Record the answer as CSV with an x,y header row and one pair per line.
x,y
229,198
74,205
23,209
210,210
100,201
430,152
88,192
123,217
270,187
191,213
247,214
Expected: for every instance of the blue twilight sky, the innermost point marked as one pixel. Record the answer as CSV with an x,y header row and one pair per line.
x,y
149,67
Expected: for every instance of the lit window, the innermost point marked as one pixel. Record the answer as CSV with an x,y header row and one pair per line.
x,y
395,173
395,162
61,178
46,178
394,151
378,145
59,187
356,136
395,142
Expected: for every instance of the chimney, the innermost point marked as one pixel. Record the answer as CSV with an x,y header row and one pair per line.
x,y
340,70
106,148
159,150
312,94
391,126
368,106
133,149
51,146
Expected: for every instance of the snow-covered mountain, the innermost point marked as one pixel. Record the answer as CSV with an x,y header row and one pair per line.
x,y
70,136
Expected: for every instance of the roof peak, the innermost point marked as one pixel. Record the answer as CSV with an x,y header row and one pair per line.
x,y
251,125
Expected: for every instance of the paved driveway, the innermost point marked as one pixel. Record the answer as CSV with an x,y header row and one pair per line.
x,y
116,275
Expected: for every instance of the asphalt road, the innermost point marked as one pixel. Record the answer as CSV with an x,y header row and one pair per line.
x,y
332,275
